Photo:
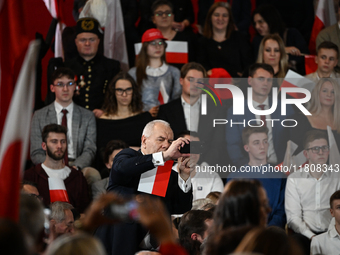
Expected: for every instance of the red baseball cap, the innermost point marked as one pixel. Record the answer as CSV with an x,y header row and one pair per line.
x,y
152,34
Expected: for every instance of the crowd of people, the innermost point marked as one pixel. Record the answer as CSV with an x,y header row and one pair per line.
x,y
108,171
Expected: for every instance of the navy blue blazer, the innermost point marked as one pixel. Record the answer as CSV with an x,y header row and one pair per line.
x,y
237,154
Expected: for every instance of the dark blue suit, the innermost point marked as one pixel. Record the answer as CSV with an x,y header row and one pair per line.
x,y
237,154
127,168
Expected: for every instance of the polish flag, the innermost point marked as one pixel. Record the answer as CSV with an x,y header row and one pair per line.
x,y
57,190
292,162
15,135
295,80
62,11
163,96
156,181
324,17
176,52
310,65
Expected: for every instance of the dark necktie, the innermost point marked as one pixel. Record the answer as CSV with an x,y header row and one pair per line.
x,y
263,117
64,124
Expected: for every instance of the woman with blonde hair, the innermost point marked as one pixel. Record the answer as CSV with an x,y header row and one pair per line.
x,y
325,109
272,52
221,45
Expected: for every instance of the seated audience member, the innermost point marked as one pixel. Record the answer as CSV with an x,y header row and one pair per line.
x,y
327,56
328,243
222,46
54,144
194,229
112,149
268,241
267,20
158,81
199,203
163,17
183,15
123,116
214,196
225,241
157,147
62,219
30,188
12,238
31,220
331,34
261,80
255,140
80,124
243,202
308,190
203,180
80,243
323,106
93,70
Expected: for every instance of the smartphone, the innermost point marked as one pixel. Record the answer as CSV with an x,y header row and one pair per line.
x,y
194,147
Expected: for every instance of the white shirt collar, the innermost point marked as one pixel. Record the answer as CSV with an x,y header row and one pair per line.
x,y
332,232
196,104
266,103
157,71
58,107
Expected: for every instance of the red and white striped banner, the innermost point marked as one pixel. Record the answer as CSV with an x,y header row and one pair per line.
x,y
295,80
176,52
57,190
156,181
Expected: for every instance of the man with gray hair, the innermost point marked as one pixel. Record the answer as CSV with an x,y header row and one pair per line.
x,y
157,147
62,219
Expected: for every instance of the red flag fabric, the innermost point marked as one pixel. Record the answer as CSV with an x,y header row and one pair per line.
x,y
15,136
295,80
324,17
310,65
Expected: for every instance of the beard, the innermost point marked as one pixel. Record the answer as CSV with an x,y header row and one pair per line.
x,y
53,156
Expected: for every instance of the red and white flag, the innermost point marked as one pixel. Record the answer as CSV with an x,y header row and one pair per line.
x,y
176,52
324,17
292,163
163,96
57,190
155,181
310,64
15,136
295,80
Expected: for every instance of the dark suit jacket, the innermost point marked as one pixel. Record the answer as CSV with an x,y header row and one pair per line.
x,y
75,184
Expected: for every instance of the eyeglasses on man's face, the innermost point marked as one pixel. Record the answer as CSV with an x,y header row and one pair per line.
x,y
61,84
161,14
317,149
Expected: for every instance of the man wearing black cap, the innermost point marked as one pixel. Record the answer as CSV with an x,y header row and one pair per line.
x,y
93,70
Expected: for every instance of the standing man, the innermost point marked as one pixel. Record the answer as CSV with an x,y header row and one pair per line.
x,y
261,80
327,59
80,123
54,145
93,70
157,147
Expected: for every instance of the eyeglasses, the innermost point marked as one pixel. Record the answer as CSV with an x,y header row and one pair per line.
x,y
128,91
160,13
84,40
317,149
154,44
61,85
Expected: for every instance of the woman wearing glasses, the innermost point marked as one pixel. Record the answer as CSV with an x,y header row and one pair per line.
x,y
158,81
123,117
325,109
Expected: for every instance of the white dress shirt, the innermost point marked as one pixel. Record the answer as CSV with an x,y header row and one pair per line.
x,y
272,158
191,114
157,160
204,181
326,243
307,202
69,108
